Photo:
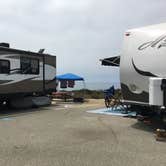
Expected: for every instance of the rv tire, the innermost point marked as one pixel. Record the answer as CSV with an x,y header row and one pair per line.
x,y
163,119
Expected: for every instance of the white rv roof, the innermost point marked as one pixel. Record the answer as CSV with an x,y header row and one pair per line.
x,y
23,51
152,29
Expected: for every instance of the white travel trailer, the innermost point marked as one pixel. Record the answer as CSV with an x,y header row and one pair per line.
x,y
142,66
25,73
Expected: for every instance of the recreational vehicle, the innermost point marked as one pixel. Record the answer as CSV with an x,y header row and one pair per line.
x,y
142,67
25,73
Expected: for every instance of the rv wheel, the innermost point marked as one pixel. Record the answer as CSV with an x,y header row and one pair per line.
x,y
8,105
163,118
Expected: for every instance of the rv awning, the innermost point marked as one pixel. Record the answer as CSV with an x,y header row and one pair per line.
x,y
112,61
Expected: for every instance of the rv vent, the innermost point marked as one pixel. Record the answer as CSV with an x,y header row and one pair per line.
x,y
4,45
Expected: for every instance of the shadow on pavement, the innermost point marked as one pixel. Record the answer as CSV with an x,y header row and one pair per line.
x,y
6,112
149,125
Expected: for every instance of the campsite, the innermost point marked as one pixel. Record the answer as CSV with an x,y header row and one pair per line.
x,y
82,83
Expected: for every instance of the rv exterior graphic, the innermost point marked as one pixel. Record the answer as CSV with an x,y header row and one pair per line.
x,y
142,66
24,73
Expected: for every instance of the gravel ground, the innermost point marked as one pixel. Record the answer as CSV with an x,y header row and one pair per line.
x,y
66,135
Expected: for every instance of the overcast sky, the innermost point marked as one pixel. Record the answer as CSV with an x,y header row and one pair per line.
x,y
78,32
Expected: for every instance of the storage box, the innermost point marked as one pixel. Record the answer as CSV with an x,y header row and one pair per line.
x,y
155,92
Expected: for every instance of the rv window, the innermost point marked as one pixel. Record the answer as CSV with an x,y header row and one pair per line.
x,y
35,66
29,66
4,67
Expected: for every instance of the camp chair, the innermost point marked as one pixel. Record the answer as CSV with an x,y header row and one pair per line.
x,y
113,100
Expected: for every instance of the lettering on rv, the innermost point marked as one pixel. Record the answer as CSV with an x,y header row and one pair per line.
x,y
158,43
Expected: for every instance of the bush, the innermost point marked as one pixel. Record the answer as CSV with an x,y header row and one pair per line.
x,y
89,94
